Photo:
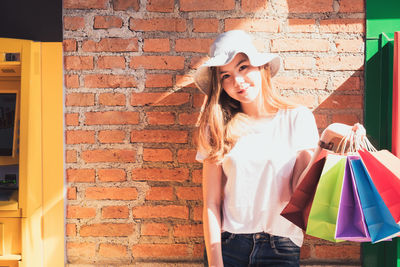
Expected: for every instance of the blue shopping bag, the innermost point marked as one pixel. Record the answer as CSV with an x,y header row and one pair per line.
x,y
380,222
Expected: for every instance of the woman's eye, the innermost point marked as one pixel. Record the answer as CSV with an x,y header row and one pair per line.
x,y
226,76
243,67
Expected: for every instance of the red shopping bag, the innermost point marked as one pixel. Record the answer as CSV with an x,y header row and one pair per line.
x,y
299,206
384,169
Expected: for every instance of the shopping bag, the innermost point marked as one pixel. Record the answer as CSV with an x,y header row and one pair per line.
x,y
298,208
381,224
324,209
381,167
350,223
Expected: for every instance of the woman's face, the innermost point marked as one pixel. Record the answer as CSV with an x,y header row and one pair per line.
x,y
240,80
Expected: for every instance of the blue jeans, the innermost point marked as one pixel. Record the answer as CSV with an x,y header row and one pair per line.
x,y
259,249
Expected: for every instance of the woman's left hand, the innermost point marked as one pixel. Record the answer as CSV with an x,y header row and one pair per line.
x,y
336,131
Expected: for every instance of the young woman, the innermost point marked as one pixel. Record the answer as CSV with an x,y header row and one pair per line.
x,y
255,148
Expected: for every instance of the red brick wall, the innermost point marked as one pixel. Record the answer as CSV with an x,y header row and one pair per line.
x,y
133,186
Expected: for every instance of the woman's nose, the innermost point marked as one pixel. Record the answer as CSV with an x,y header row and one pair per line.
x,y
238,79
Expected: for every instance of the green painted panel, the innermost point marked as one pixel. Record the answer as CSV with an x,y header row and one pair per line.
x,y
383,19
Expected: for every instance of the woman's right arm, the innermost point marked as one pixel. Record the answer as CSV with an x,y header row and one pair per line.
x,y
212,193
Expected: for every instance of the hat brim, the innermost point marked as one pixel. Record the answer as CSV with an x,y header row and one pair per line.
x,y
202,77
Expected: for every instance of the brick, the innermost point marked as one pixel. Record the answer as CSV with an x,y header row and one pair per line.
x,y
169,211
160,193
113,250
111,62
111,45
71,193
189,193
198,251
78,62
199,45
300,82
196,61
160,174
322,120
299,63
158,80
109,81
159,99
71,81
111,117
301,25
160,118
74,23
157,154
346,83
340,63
352,45
342,26
205,25
301,45
155,229
126,5
158,24
351,6
111,136
107,22
337,252
197,176
310,6
193,5
111,175
160,5
252,25
157,62
112,99
70,156
188,230
341,101
254,5
115,212
187,155
120,193
79,137
305,252
159,136
199,100
349,119
107,229
189,118
81,250
156,45
85,4
198,213
69,45
80,175
109,155
79,99
78,212
184,81
70,229
72,119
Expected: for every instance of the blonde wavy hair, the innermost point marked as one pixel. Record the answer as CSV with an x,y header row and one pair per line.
x,y
223,122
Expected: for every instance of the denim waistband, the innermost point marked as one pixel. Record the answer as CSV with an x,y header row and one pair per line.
x,y
254,236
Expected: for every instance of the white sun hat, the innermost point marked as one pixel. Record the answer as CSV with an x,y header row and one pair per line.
x,y
225,48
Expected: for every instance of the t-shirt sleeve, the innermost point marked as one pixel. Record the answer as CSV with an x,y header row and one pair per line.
x,y
200,156
305,130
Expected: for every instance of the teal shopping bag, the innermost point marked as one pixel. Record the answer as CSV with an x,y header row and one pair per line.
x,y
380,222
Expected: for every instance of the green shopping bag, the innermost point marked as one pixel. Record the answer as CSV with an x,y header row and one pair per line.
x,y
325,206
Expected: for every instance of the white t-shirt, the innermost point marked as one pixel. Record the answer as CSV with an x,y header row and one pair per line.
x,y
259,171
